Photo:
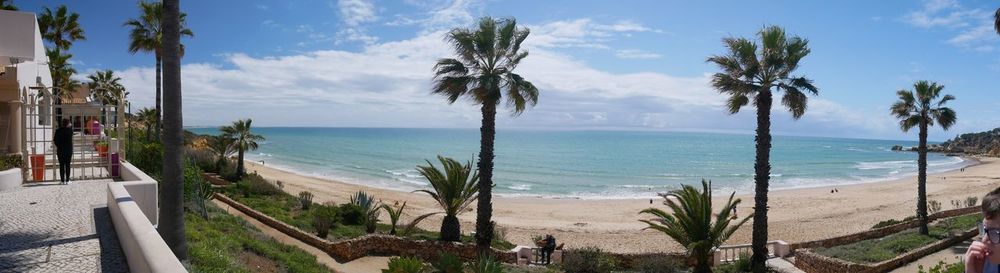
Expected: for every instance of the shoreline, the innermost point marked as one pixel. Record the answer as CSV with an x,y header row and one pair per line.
x,y
966,161
798,214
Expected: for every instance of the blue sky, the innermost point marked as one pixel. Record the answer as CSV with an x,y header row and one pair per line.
x,y
638,65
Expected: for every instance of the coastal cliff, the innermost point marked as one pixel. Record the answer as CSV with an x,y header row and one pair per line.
x,y
983,143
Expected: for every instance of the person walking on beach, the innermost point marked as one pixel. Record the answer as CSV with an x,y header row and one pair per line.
x,y
63,140
983,255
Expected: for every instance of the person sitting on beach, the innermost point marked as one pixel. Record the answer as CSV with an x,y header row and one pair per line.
x,y
983,255
547,249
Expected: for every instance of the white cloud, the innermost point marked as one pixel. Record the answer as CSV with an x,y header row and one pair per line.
x,y
261,7
388,85
973,27
583,32
441,14
636,54
355,14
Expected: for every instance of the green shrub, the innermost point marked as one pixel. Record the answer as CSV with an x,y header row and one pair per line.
x,y
933,206
11,161
352,214
486,264
196,190
201,158
405,265
148,157
324,217
971,201
447,263
305,199
657,265
588,260
942,267
257,185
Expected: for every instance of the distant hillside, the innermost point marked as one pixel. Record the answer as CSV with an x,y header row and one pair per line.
x,y
982,143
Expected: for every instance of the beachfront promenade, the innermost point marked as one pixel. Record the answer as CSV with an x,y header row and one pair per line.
x,y
59,228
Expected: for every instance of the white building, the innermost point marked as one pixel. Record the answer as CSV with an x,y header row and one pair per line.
x,y
23,65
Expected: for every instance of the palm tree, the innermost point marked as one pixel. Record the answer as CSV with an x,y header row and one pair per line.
x,y
172,207
146,36
920,108
996,21
223,148
106,87
62,73
244,140
690,222
484,72
147,116
61,27
751,74
455,188
7,5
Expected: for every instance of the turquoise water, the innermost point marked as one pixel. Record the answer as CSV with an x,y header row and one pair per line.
x,y
585,164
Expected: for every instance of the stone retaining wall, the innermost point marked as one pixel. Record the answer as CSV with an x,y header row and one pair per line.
x,y
215,179
880,232
812,262
383,245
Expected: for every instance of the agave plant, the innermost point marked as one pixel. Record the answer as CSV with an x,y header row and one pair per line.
x,y
690,222
371,207
455,188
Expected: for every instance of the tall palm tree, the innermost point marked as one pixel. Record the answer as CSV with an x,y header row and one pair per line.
x,y
244,139
7,5
172,207
106,87
752,72
62,74
146,36
921,108
996,21
61,27
484,72
455,188
147,117
690,222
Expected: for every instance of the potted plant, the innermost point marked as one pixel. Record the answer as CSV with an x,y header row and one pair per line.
x,y
102,148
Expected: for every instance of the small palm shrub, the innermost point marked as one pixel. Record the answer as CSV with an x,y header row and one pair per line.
x,y
324,217
371,207
305,199
447,263
486,264
454,187
588,260
405,265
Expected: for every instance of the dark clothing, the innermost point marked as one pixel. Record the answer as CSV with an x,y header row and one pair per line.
x,y
63,140
550,246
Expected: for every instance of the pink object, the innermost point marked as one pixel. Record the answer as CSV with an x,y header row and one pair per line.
x,y
114,165
95,128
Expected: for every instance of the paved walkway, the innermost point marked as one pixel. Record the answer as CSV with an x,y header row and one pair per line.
x,y
949,255
58,228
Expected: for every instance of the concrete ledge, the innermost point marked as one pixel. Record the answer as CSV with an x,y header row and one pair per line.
x,y
143,189
144,249
10,179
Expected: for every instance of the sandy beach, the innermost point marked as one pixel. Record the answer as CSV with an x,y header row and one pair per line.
x,y
795,214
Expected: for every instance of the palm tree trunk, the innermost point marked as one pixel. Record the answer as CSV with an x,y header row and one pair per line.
x,y
239,166
451,229
922,179
762,171
484,209
172,211
158,92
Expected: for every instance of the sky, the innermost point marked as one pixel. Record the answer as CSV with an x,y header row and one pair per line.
x,y
599,65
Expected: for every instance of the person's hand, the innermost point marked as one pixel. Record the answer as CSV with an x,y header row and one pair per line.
x,y
975,257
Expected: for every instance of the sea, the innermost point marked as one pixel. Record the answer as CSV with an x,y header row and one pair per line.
x,y
586,164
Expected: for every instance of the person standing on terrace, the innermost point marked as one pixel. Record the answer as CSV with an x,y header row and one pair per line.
x,y
64,149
